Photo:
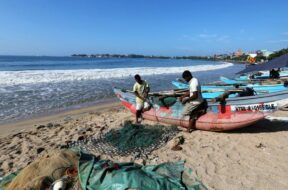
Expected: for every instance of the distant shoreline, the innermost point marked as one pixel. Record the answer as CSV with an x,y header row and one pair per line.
x,y
134,56
207,58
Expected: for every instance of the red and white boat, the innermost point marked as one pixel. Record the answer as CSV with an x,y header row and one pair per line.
x,y
234,113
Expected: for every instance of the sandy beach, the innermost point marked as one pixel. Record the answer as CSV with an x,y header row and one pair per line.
x,y
254,157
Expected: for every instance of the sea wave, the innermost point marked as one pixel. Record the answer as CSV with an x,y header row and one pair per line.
x,y
48,76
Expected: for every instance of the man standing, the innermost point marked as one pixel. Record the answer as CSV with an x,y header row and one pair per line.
x,y
192,99
141,90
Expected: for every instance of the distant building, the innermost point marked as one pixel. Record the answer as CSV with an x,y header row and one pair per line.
x,y
264,53
221,56
238,53
253,55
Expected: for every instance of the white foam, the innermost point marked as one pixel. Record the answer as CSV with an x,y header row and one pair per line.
x,y
44,76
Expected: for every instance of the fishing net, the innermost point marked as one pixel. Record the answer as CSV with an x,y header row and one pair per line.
x,y
163,101
135,140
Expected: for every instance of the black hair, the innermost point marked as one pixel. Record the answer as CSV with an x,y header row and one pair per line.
x,y
137,77
186,74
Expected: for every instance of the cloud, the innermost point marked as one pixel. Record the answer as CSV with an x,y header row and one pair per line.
x,y
277,41
285,33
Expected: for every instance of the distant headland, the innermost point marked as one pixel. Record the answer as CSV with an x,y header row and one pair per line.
x,y
141,56
237,57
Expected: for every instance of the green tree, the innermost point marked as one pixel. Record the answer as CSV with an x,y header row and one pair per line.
x,y
278,53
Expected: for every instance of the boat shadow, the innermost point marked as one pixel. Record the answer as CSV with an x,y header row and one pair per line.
x,y
264,126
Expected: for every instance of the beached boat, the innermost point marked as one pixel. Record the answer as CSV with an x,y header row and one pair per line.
x,y
215,90
262,75
271,87
267,83
232,114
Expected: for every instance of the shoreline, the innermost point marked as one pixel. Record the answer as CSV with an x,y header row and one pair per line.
x,y
13,127
76,111
240,159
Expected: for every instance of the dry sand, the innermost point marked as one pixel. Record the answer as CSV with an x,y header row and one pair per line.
x,y
250,158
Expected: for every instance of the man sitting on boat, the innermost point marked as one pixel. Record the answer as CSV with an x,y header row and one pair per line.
x,y
192,99
274,74
141,90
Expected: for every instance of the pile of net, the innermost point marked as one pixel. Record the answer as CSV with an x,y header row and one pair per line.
x,y
89,172
131,139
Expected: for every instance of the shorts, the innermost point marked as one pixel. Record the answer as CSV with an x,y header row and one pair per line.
x,y
189,108
141,106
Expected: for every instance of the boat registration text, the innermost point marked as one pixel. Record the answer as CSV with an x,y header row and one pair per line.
x,y
265,107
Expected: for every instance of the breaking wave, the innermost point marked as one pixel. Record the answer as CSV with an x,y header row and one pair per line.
x,y
53,76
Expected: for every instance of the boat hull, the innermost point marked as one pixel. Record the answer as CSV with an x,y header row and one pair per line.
x,y
208,122
219,117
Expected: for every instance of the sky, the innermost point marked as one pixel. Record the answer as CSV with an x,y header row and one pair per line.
x,y
149,27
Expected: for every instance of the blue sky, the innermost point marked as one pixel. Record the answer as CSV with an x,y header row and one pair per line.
x,y
159,27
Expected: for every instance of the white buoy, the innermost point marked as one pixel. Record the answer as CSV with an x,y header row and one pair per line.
x,y
59,185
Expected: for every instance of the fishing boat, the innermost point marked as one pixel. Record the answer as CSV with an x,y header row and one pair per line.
x,y
215,90
220,116
263,70
268,83
261,75
206,92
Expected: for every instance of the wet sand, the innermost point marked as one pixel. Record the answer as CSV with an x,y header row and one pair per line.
x,y
254,157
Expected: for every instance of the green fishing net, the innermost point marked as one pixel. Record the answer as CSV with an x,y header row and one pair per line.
x,y
163,101
131,139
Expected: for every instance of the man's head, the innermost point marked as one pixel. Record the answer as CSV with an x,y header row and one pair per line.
x,y
187,75
138,78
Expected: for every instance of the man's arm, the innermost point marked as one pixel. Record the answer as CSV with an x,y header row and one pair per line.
x,y
147,89
190,98
137,95
186,95
194,96
192,88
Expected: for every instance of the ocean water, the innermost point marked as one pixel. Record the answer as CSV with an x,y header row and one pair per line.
x,y
31,86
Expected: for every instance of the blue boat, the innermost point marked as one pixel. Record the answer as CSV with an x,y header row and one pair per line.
x,y
232,81
255,83
213,91
262,75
